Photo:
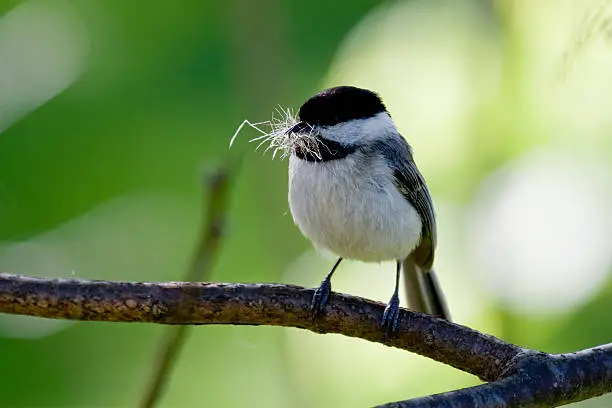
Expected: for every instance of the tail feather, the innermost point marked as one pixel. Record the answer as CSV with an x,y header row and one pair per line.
x,y
423,290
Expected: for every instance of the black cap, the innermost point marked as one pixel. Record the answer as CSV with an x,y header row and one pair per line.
x,y
340,104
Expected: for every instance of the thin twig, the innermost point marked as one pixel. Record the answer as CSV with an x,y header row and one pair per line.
x,y
593,23
519,377
213,219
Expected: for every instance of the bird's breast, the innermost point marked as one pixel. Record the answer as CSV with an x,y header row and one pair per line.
x,y
352,208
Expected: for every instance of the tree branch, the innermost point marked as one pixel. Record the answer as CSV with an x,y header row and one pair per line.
x,y
254,304
520,377
535,380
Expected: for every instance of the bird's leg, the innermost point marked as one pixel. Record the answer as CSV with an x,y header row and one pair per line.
x,y
389,320
322,293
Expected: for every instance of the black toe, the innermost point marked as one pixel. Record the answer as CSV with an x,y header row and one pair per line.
x,y
319,299
390,316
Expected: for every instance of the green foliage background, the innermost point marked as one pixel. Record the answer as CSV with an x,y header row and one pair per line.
x,y
102,181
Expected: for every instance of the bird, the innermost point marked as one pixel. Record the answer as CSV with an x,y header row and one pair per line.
x,y
356,192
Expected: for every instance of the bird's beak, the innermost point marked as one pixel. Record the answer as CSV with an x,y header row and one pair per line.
x,y
300,127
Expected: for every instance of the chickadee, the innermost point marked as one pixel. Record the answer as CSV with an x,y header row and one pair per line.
x,y
355,191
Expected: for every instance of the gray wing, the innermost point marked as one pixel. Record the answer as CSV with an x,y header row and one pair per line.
x,y
411,184
422,286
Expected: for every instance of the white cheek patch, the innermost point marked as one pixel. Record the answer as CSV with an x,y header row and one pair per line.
x,y
359,130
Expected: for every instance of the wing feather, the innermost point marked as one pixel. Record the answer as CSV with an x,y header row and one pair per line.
x,y
411,184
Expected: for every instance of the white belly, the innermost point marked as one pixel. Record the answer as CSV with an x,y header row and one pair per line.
x,y
354,215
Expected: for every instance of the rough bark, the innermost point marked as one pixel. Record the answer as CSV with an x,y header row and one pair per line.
x,y
516,376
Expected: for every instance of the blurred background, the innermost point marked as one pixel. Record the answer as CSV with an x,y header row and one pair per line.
x,y
112,110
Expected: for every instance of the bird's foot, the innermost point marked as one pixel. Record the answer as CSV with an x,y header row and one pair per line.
x,y
319,299
390,316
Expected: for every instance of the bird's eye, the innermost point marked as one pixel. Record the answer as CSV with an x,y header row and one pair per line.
x,y
332,120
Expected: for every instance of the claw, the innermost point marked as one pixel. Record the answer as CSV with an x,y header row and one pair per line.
x,y
319,299
390,316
